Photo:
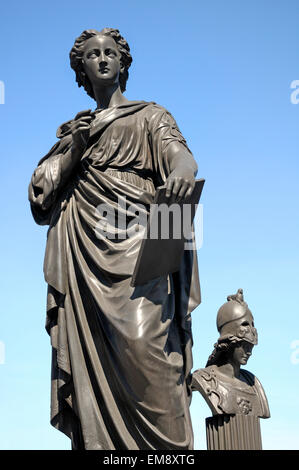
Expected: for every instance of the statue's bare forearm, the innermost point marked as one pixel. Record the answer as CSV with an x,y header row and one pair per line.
x,y
179,156
183,169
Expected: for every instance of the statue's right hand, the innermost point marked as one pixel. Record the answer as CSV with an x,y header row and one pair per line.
x,y
81,130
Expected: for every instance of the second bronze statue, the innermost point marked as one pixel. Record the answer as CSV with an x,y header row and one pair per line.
x,y
234,395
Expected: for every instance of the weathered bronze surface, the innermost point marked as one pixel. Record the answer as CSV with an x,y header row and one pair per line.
x,y
228,389
121,354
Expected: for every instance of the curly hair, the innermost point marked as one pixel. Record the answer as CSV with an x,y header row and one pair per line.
x,y
221,350
76,56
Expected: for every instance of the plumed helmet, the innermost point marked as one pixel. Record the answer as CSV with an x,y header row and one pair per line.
x,y
234,319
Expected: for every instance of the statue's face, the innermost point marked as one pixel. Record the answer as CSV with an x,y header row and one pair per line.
x,y
102,61
242,352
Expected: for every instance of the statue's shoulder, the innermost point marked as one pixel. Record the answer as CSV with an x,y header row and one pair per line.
x,y
206,382
204,379
254,382
158,115
151,107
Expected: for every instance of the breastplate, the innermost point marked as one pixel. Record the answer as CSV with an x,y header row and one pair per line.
x,y
227,395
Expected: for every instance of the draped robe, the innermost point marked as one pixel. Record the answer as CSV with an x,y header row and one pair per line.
x,y
121,355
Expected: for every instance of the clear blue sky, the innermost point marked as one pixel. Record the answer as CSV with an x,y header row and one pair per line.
x,y
224,70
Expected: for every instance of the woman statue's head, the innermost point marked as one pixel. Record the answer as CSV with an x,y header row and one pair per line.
x,y
237,332
77,57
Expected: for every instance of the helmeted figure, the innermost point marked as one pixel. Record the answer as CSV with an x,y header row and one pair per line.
x,y
234,395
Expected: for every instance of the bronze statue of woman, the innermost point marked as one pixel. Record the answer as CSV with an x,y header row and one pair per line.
x,y
121,355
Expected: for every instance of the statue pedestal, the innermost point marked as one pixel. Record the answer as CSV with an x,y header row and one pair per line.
x,y
233,432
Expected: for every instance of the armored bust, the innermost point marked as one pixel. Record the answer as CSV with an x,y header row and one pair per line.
x,y
227,388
